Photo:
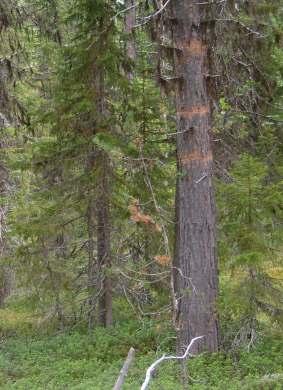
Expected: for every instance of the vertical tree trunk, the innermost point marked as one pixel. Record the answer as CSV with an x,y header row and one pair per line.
x,y
54,282
92,265
6,273
103,241
130,20
98,221
195,272
103,215
99,210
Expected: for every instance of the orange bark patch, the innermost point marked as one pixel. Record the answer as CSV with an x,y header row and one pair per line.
x,y
139,217
163,260
194,47
194,111
195,156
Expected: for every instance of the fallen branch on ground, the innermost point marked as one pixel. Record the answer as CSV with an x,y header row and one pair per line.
x,y
124,370
151,369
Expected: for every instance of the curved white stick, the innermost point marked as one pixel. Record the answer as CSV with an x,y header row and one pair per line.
x,y
151,369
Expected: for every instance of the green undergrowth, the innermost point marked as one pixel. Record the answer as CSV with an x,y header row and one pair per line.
x,y
81,360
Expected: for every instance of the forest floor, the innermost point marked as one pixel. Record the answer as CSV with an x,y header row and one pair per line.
x,y
34,357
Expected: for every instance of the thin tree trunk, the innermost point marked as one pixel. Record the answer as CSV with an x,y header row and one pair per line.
x,y
103,241
195,263
103,216
92,265
98,221
99,210
6,284
130,21
55,284
6,272
56,244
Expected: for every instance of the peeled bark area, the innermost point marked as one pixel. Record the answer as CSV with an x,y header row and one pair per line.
x,y
195,263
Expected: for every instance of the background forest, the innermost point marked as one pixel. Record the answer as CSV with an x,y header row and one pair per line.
x,y
89,160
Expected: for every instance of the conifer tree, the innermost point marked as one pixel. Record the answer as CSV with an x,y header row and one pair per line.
x,y
250,214
195,263
7,117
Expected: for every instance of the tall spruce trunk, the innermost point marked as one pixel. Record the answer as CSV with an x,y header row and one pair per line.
x,y
195,263
6,272
92,264
130,21
99,268
103,241
54,246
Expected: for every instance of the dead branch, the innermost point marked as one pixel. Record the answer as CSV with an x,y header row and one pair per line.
x,y
124,370
151,369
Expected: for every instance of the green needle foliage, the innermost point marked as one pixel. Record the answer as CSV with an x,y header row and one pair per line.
x,y
251,211
54,52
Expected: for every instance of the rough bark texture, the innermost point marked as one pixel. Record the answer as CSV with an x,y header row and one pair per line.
x,y
130,21
98,221
92,265
99,269
125,369
195,263
103,241
6,274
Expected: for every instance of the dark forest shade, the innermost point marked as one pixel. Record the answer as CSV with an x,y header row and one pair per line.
x,y
195,260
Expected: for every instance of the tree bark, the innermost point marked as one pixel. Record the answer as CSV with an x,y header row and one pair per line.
x,y
54,282
130,20
103,241
92,265
99,210
125,369
195,262
6,273
98,221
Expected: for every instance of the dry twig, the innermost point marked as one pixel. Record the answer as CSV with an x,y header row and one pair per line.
x,y
151,369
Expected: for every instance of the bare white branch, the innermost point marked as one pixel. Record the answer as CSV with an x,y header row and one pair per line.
x,y
201,179
151,369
